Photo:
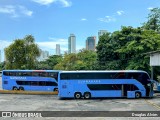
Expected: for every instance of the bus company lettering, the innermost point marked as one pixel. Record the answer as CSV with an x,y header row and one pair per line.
x,y
88,81
17,78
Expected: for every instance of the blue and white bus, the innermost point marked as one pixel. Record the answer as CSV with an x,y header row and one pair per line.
x,y
30,80
90,84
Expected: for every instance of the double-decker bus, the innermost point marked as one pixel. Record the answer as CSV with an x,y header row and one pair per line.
x,y
30,80
88,84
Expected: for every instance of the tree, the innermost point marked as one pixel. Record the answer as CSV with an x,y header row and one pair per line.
x,y
67,63
125,49
22,54
87,60
49,63
2,64
153,22
84,60
106,55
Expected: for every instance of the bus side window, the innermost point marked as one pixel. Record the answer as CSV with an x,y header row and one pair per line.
x,y
19,74
44,74
24,74
6,73
12,73
35,74
42,83
53,75
28,73
34,83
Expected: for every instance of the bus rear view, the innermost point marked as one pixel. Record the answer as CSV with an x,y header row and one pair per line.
x,y
95,84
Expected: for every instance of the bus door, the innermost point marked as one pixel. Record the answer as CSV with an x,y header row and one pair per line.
x,y
149,90
129,88
124,90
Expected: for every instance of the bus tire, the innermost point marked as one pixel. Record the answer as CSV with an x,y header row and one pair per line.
x,y
55,89
15,88
87,95
77,95
21,88
137,95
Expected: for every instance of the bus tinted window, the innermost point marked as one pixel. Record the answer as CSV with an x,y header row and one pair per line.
x,y
35,74
9,73
142,77
6,73
43,74
53,75
51,84
104,86
12,74
24,73
68,76
37,83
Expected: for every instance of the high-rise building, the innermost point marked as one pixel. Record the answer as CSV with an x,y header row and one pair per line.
x,y
72,44
4,55
58,50
101,32
91,43
43,55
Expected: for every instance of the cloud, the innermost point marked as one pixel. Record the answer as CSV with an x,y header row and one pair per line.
x,y
120,12
15,11
25,11
65,3
107,19
51,44
8,9
44,2
150,8
83,19
4,44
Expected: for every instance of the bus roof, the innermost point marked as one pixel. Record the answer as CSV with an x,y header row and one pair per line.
x,y
31,70
100,71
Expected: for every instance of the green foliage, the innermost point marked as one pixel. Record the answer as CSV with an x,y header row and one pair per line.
x,y
2,64
22,54
153,22
125,49
49,63
84,60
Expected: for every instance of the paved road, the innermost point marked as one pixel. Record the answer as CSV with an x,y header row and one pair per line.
x,y
16,102
52,103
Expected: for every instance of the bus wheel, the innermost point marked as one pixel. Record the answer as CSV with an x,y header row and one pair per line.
x,y
87,95
21,88
15,88
55,89
137,95
77,95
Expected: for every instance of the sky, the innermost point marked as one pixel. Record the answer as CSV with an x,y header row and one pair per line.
x,y
52,21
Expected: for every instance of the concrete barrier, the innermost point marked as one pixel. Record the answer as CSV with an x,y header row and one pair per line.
x,y
27,92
